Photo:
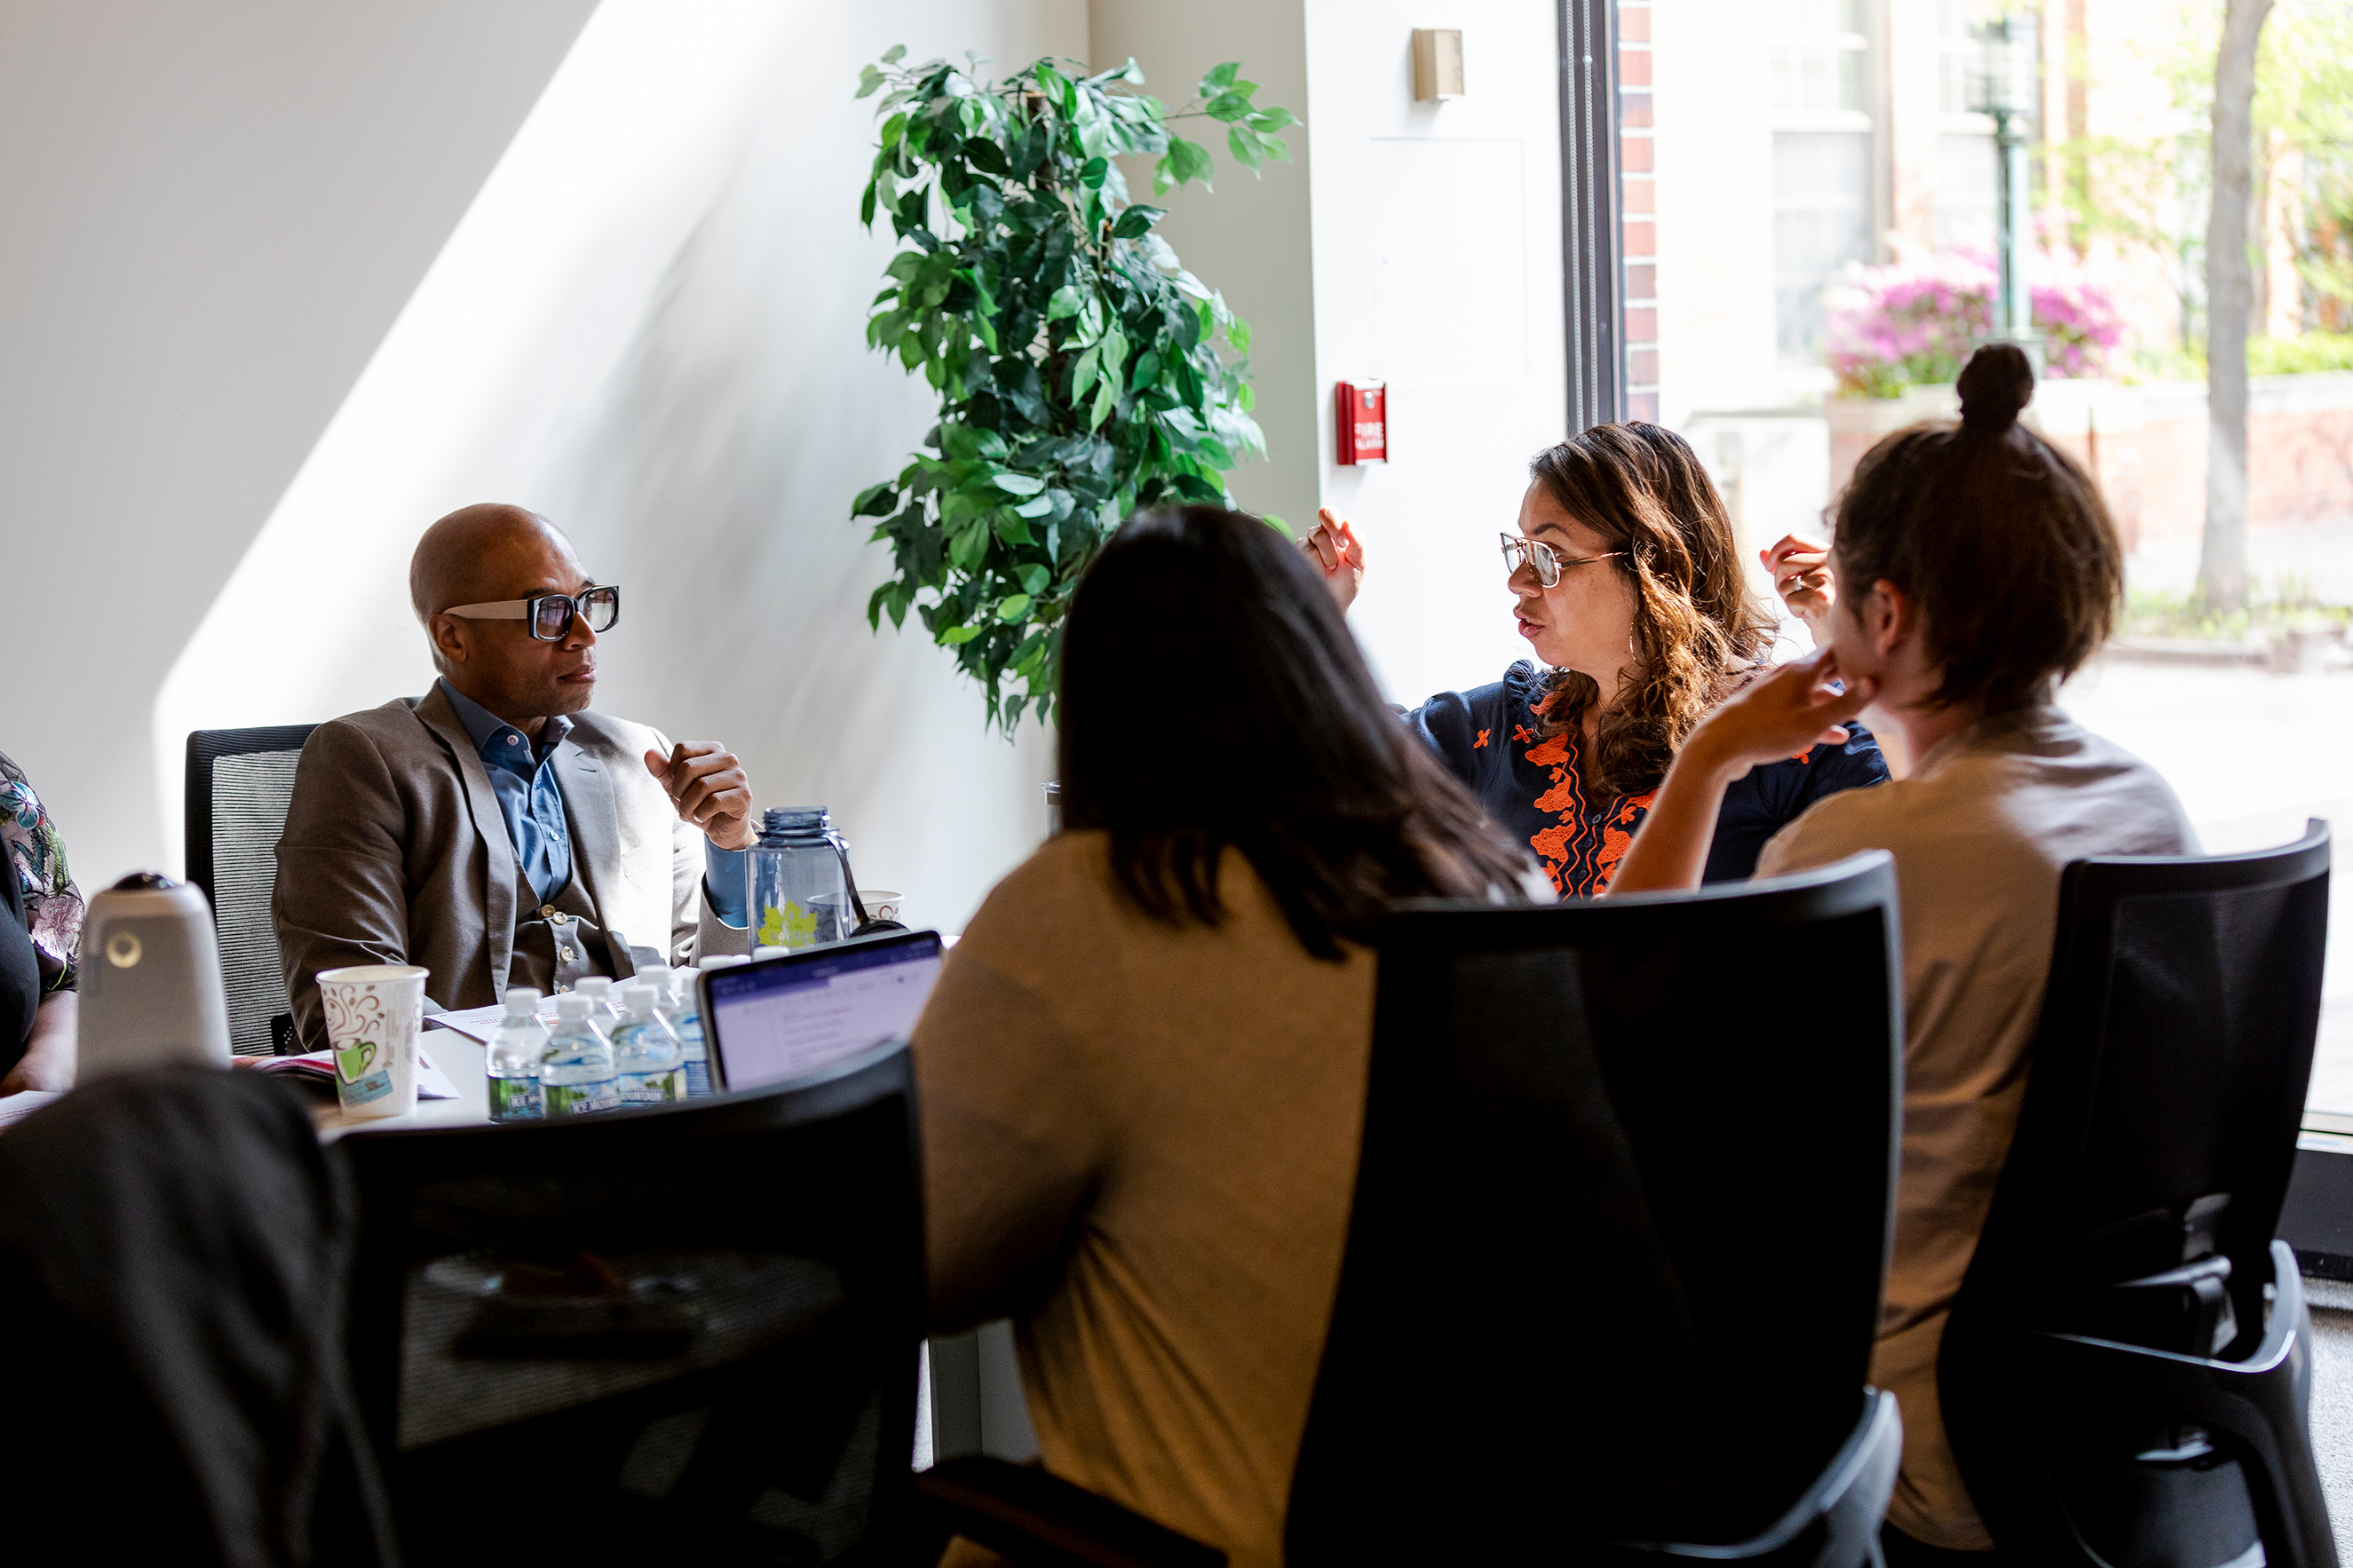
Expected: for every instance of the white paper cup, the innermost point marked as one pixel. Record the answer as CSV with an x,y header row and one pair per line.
x,y
880,904
373,1011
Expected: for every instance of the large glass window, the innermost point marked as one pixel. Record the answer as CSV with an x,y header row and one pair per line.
x,y
1819,62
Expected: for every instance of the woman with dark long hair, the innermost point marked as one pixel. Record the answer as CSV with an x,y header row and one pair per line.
x,y
1627,582
1142,1073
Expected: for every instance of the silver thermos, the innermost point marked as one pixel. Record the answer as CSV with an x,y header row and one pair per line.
x,y
151,980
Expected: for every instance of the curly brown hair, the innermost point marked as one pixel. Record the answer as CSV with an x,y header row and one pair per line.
x,y
1699,630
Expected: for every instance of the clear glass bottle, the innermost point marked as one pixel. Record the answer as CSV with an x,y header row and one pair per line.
x,y
798,891
646,1053
577,1072
510,1059
601,1011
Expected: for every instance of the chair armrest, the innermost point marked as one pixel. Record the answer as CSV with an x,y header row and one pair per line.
x,y
1040,1520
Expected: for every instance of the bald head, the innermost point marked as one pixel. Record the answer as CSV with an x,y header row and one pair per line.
x,y
485,551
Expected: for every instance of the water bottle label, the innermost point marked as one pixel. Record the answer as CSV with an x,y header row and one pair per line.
x,y
653,1088
515,1100
581,1098
698,1079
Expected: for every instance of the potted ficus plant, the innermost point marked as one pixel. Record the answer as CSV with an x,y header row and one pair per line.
x,y
1083,373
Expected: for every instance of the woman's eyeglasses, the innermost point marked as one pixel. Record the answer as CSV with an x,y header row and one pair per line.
x,y
549,616
1520,550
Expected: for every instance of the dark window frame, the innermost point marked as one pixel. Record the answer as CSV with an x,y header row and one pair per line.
x,y
1592,232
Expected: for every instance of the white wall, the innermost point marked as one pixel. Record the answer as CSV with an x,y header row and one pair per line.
x,y
1437,268
212,213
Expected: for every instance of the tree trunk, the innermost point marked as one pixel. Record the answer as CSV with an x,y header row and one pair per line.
x,y
2229,299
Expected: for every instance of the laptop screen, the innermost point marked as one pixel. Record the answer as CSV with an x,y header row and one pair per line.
x,y
786,1016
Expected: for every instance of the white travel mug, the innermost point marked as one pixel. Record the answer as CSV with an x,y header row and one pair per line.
x,y
373,1012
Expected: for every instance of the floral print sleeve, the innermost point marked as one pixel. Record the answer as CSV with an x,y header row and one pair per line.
x,y
36,856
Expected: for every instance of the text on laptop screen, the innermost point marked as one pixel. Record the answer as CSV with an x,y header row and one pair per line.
x,y
776,1021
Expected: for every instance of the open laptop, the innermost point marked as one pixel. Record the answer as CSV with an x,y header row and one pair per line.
x,y
784,1017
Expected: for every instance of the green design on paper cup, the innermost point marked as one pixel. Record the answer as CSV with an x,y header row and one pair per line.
x,y
353,1059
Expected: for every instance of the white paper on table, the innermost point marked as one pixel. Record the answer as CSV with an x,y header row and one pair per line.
x,y
15,1108
432,1083
477,1022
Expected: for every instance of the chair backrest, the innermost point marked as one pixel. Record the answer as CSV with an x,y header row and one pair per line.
x,y
240,781
2169,1074
1621,1221
673,1334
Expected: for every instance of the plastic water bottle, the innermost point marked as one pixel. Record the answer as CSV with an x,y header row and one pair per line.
x,y
685,1021
797,889
577,1073
652,1066
601,1011
511,1058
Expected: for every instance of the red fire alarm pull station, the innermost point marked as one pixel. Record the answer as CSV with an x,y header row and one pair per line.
x,y
1361,420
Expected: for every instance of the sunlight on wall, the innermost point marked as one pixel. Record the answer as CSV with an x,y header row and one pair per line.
x,y
648,327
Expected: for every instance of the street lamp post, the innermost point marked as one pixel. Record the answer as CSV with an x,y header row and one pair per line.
x,y
2006,96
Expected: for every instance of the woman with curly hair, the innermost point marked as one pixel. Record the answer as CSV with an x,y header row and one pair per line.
x,y
1626,583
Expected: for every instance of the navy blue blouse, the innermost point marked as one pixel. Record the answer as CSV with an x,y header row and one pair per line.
x,y
1530,787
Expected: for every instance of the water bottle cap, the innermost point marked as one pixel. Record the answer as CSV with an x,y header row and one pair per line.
x,y
593,985
760,954
798,824
725,960
641,998
657,975
572,1005
521,1000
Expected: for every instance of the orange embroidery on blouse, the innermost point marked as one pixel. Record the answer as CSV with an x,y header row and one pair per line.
x,y
1481,740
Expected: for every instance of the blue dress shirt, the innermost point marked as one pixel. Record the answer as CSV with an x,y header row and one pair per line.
x,y
524,780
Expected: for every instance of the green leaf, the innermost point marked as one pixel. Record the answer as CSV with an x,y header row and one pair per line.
x,y
1014,607
875,500
1280,526
1272,118
1034,578
1136,221
1147,371
1228,107
1242,142
1036,507
956,635
1019,484
1084,374
869,79
1239,334
1186,160
894,54
1106,399
1220,78
1068,301
1091,174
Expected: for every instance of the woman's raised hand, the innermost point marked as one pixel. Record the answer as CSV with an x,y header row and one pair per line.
x,y
1339,554
1787,711
1801,575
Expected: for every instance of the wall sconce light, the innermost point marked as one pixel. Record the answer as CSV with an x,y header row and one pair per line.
x,y
1437,64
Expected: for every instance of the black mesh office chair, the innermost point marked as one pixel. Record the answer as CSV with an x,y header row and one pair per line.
x,y
238,783
685,1334
1621,1233
2125,1376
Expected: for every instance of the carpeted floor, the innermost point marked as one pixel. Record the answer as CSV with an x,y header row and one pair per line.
x,y
2332,1396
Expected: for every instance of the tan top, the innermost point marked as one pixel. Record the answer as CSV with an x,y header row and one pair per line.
x,y
1980,832
1140,1142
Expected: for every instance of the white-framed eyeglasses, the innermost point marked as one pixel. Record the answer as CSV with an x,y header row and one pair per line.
x,y
549,616
1548,562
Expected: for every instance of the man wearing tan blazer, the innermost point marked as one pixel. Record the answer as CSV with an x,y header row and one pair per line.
x,y
494,830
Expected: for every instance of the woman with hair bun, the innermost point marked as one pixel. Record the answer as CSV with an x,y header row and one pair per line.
x,y
1629,589
1977,569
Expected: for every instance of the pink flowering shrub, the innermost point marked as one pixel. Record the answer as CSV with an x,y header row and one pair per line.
x,y
1914,323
